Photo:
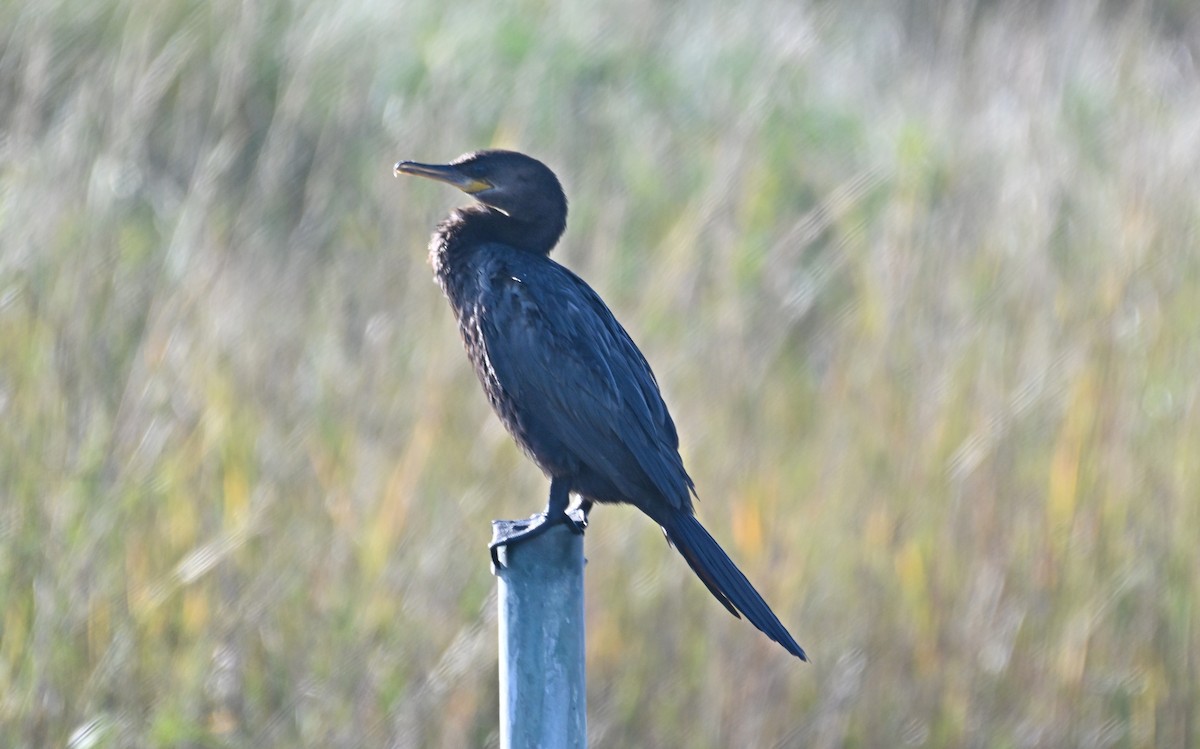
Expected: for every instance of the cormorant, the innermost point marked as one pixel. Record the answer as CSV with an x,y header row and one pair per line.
x,y
559,370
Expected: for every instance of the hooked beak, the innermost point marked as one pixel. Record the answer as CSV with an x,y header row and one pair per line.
x,y
448,173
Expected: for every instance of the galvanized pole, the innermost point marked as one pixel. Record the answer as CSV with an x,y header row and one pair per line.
x,y
542,695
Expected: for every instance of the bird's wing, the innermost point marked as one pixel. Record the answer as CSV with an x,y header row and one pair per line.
x,y
552,342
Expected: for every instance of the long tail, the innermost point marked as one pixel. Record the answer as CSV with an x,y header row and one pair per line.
x,y
714,567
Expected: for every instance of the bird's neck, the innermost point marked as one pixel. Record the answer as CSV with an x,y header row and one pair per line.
x,y
472,226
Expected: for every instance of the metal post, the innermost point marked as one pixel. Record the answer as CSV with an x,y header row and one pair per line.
x,y
542,698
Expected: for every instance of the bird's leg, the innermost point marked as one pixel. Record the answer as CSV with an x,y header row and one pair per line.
x,y
509,532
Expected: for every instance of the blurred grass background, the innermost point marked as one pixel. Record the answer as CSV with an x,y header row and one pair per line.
x,y
920,281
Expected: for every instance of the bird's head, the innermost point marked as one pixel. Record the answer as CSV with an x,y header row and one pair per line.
x,y
518,185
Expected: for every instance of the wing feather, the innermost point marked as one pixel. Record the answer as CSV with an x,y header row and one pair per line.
x,y
562,349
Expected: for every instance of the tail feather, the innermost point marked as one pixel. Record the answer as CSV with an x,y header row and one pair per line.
x,y
724,580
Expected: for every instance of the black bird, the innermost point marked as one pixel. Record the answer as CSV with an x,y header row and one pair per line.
x,y
560,371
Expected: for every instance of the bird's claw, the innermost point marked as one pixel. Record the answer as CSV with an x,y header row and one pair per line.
x,y
510,532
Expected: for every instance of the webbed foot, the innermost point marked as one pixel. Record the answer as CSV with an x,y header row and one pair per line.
x,y
512,532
